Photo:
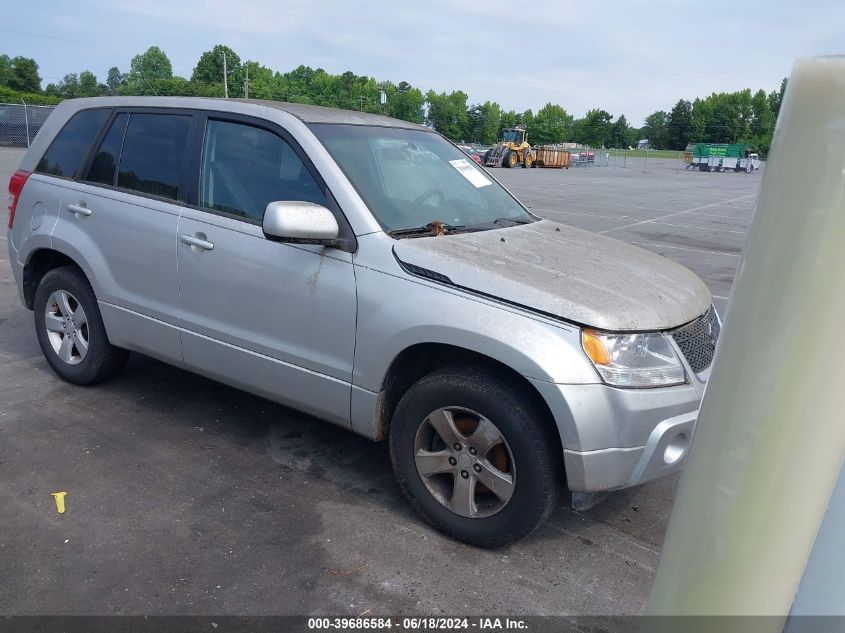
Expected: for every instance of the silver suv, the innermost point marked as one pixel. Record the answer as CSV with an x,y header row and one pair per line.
x,y
366,271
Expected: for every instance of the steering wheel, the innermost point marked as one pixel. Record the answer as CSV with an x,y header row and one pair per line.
x,y
428,193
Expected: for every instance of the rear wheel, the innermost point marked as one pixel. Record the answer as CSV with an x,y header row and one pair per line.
x,y
475,456
70,329
526,160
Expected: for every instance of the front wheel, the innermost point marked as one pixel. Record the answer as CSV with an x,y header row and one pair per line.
x,y
70,329
476,456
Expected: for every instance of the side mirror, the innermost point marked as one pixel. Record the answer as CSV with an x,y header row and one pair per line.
x,y
300,223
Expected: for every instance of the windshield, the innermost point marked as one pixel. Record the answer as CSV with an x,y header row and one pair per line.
x,y
514,136
413,178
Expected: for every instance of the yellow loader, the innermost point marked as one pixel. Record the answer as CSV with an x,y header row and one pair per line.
x,y
511,151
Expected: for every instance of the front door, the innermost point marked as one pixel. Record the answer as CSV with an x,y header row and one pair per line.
x,y
274,319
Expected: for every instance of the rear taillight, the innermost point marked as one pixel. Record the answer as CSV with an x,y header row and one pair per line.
x,y
15,187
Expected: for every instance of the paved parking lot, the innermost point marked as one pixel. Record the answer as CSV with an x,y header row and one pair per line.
x,y
189,497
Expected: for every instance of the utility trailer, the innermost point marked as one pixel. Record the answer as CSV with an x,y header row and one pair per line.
x,y
722,157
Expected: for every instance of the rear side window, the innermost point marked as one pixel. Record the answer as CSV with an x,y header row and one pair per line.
x,y
153,156
71,145
104,166
244,168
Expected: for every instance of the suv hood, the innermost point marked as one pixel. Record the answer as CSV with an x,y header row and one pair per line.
x,y
566,272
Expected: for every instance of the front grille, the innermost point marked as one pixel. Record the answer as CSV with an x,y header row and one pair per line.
x,y
697,340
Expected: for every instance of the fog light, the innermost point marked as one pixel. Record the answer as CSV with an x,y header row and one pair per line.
x,y
676,448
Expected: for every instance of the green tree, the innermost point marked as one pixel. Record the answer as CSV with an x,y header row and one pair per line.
x,y
527,120
145,69
24,75
475,126
114,79
680,129
594,129
261,80
763,119
552,124
209,68
447,113
775,99
5,70
88,86
620,133
406,102
67,88
506,120
656,129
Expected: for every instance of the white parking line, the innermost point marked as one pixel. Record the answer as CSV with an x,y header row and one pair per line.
x,y
716,215
590,215
685,248
671,215
706,228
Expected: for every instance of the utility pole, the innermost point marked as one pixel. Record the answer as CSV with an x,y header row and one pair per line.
x,y
246,83
361,102
225,78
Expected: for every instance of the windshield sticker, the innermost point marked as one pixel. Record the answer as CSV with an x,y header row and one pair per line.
x,y
470,173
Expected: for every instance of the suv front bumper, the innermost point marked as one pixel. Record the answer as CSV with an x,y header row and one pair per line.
x,y
612,468
615,438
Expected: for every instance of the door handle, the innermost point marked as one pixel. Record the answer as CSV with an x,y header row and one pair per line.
x,y
197,242
79,209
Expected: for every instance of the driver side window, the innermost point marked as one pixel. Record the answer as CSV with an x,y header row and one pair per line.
x,y
244,168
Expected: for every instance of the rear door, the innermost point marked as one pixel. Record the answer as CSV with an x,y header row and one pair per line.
x,y
122,214
274,319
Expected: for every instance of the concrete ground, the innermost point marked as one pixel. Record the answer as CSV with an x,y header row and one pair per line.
x,y
188,497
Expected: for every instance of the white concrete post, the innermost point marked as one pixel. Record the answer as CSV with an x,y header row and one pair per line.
x,y
770,438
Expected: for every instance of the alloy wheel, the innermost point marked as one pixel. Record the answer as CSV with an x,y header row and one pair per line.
x,y
465,462
67,327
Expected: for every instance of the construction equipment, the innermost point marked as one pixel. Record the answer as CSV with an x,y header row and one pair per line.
x,y
722,157
511,151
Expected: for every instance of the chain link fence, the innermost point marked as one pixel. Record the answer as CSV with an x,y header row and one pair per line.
x,y
628,159
19,123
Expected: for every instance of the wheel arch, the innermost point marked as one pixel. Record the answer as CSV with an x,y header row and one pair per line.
x,y
39,263
420,359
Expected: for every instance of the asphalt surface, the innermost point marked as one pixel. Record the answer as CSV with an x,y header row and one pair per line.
x,y
185,496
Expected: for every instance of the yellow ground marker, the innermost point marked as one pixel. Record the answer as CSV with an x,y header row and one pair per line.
x,y
60,501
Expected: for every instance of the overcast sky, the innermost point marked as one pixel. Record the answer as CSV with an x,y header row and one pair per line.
x,y
627,56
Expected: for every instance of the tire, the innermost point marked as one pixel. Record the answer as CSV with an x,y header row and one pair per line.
x,y
509,158
526,160
61,295
528,453
487,156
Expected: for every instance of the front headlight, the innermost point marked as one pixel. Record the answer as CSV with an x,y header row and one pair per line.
x,y
634,360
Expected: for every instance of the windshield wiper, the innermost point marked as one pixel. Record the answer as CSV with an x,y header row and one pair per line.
x,y
435,227
501,221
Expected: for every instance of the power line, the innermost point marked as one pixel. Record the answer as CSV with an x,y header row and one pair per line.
x,y
46,37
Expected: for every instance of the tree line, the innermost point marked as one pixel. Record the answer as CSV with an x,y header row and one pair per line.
x,y
719,118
